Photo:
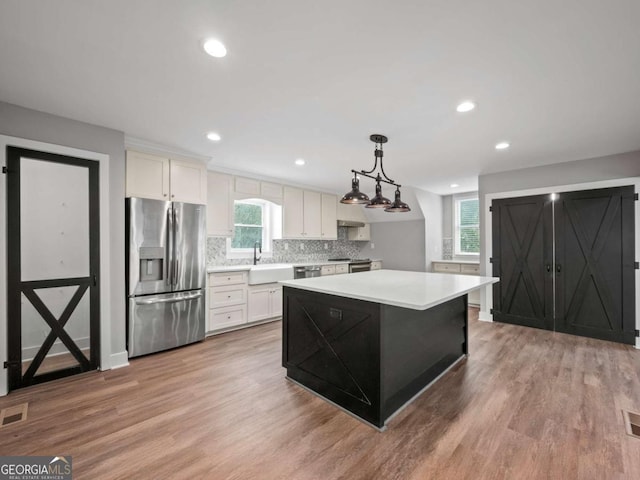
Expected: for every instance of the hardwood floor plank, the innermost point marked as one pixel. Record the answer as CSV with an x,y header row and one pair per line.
x,y
526,403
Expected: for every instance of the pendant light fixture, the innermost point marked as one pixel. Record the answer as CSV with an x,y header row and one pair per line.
x,y
355,196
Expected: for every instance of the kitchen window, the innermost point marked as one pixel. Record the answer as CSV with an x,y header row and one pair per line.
x,y
467,225
254,220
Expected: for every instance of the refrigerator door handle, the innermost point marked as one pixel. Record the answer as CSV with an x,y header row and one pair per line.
x,y
170,239
174,256
151,301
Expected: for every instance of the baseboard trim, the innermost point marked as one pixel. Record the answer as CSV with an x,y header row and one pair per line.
x,y
119,360
485,316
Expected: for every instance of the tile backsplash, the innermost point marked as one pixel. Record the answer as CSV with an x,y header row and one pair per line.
x,y
447,248
302,251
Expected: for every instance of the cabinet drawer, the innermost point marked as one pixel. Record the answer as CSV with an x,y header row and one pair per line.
x,y
227,278
227,317
376,265
342,269
446,267
224,296
470,269
328,270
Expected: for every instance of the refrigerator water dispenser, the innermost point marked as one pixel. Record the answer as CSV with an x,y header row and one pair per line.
x,y
151,264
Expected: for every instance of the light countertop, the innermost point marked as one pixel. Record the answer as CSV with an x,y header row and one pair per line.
x,y
415,290
464,262
228,268
238,268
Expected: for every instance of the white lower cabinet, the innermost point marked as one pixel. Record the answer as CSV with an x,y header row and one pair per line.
x,y
342,268
328,270
463,268
227,317
265,302
376,265
227,300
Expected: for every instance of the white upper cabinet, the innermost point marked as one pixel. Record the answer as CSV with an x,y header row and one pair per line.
x,y
302,214
219,204
329,217
147,176
271,191
359,233
252,188
162,178
312,220
293,213
188,181
248,186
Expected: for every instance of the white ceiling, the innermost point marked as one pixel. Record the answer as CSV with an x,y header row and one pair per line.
x,y
559,79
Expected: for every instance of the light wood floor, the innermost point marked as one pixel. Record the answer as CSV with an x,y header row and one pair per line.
x,y
526,404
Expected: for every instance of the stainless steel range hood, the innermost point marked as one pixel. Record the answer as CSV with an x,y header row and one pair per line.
x,y
350,223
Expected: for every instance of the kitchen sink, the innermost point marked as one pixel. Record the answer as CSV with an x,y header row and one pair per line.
x,y
269,273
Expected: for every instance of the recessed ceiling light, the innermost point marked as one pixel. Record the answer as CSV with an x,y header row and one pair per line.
x,y
215,48
465,106
300,161
502,145
214,137
454,185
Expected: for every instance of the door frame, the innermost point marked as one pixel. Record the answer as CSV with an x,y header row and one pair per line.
x,y
105,260
486,300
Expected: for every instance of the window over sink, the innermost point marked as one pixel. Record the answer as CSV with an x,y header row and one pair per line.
x,y
254,220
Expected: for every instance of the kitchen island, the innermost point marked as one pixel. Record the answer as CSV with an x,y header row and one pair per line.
x,y
370,342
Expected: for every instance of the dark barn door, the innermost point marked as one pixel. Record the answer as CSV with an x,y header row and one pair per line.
x,y
595,277
567,265
522,258
53,259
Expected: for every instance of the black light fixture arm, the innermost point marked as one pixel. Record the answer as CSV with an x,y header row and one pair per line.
x,y
378,154
377,178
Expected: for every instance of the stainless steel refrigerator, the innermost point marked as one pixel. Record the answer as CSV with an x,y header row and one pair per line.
x,y
166,274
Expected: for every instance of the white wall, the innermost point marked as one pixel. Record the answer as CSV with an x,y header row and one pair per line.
x,y
29,124
431,205
401,245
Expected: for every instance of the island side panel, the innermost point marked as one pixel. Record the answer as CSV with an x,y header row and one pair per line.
x,y
417,346
331,345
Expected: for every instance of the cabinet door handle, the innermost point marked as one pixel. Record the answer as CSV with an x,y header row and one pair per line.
x,y
558,268
548,268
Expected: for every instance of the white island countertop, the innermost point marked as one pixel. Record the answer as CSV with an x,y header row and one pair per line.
x,y
415,290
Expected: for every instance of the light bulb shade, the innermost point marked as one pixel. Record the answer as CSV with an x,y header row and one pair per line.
x,y
355,196
379,201
398,205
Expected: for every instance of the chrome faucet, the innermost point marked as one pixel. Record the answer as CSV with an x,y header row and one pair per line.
x,y
256,245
